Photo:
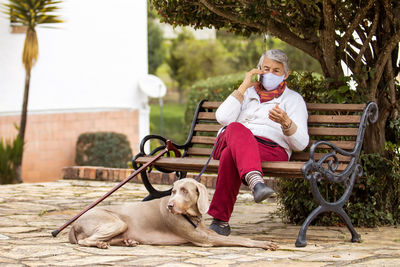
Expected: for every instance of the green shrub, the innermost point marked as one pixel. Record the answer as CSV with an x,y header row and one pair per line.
x,y
213,89
106,149
10,159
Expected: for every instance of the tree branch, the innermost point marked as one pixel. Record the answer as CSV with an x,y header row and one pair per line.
x,y
366,42
328,39
382,60
230,16
369,55
354,24
277,29
388,9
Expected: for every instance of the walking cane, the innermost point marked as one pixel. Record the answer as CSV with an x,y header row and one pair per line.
x,y
168,147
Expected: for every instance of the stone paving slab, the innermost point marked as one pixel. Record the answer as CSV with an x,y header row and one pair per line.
x,y
29,212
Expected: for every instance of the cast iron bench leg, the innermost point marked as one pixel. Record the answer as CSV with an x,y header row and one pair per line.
x,y
324,206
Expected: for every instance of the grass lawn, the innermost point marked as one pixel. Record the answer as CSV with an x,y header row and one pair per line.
x,y
174,128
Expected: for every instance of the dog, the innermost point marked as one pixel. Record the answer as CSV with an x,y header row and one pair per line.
x,y
172,220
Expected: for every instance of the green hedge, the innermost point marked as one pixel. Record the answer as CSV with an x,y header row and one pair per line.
x,y
106,149
213,89
376,196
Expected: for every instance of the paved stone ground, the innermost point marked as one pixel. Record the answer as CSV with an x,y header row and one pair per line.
x,y
29,212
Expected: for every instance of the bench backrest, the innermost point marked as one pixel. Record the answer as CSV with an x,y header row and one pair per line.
x,y
337,123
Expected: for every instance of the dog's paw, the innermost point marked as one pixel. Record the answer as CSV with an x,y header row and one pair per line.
x,y
270,246
130,243
103,245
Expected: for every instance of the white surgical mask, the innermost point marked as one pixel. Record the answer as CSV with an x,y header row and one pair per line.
x,y
271,81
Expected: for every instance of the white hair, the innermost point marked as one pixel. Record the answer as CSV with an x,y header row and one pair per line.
x,y
277,55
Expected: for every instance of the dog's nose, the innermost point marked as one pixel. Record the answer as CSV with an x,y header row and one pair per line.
x,y
170,205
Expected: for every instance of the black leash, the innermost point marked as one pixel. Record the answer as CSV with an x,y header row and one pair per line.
x,y
190,221
209,158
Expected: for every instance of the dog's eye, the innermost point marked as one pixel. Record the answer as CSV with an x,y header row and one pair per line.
x,y
173,192
184,191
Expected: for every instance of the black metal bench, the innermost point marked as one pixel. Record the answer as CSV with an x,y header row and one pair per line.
x,y
335,158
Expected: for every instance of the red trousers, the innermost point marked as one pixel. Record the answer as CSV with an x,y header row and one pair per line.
x,y
238,153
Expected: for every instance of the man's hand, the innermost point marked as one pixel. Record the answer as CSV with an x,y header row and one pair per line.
x,y
278,115
247,80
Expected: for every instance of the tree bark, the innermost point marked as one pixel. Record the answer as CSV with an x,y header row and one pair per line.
x,y
22,125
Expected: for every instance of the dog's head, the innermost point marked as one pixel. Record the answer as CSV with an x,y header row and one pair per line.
x,y
188,197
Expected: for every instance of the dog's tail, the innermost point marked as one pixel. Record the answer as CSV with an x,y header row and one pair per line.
x,y
72,236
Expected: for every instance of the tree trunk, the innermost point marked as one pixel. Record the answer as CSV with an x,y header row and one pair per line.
x,y
22,125
375,138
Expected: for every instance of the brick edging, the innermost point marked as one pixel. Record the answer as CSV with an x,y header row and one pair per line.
x,y
116,175
155,177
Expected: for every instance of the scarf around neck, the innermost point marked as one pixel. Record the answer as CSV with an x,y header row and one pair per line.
x,y
266,96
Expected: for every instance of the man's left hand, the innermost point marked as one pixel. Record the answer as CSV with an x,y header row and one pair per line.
x,y
278,115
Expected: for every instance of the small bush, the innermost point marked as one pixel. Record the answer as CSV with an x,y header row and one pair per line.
x,y
106,149
10,159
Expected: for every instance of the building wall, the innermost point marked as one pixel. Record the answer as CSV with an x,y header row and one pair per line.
x,y
51,138
86,76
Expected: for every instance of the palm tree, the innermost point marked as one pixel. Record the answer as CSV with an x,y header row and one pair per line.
x,y
30,13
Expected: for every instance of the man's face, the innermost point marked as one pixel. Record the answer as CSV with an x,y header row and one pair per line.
x,y
274,67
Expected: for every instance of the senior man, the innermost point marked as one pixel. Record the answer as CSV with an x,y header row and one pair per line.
x,y
265,121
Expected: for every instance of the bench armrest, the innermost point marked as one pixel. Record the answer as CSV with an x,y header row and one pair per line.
x,y
328,164
155,150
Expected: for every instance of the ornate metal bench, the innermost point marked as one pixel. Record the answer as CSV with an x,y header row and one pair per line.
x,y
335,158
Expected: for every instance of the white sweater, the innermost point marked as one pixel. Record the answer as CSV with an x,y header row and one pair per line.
x,y
254,115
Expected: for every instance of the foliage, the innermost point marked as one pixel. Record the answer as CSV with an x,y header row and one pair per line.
x,y
173,122
106,149
10,159
191,60
156,50
31,13
364,35
213,89
244,52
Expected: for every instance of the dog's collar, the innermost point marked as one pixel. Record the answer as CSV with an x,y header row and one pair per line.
x,y
198,220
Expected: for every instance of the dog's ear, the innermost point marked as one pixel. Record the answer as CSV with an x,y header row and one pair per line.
x,y
202,201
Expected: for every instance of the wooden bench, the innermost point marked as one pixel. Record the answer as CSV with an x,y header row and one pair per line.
x,y
335,158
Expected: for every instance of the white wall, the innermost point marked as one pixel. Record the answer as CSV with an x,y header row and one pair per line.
x,y
90,62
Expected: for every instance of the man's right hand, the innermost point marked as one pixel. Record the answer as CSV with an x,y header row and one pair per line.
x,y
247,82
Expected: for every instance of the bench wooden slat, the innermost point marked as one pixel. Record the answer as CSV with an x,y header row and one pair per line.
x,y
206,140
335,107
332,119
207,127
277,168
210,140
318,131
310,106
206,116
297,156
211,105
346,145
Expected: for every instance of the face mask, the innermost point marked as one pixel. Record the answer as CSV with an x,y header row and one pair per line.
x,y
271,81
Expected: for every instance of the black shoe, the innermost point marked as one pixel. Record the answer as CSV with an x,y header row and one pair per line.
x,y
220,227
261,192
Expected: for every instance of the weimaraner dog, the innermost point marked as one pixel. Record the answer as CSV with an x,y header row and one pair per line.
x,y
156,222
